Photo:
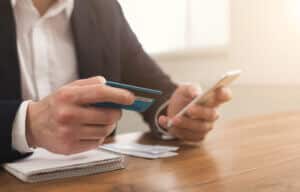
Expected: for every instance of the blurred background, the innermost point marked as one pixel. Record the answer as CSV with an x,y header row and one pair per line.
x,y
198,40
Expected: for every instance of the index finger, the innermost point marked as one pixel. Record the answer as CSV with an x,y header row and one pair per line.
x,y
102,93
223,95
219,97
89,81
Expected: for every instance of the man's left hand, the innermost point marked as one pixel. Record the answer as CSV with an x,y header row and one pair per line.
x,y
200,119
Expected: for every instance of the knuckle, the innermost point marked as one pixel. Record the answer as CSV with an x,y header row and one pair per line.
x,y
109,128
191,111
112,127
197,111
100,93
123,98
127,98
64,116
109,119
207,127
65,95
210,114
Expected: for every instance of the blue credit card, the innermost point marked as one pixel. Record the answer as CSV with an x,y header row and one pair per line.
x,y
133,88
141,104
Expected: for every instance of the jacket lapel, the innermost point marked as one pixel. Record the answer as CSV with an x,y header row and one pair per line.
x,y
9,63
93,40
88,50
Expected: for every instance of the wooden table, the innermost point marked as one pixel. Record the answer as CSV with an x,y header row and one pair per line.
x,y
252,154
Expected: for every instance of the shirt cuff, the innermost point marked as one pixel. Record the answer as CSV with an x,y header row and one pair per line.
x,y
19,140
165,135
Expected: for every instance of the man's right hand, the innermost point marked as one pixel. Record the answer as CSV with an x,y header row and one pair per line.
x,y
65,123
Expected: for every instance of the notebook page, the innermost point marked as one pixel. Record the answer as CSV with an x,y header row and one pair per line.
x,y
44,161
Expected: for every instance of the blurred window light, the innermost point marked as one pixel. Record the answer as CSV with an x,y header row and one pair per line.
x,y
168,25
294,9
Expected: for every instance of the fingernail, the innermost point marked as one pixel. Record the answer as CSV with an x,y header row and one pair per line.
x,y
130,97
169,125
163,121
102,79
163,118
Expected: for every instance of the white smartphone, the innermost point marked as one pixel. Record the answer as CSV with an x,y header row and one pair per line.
x,y
225,81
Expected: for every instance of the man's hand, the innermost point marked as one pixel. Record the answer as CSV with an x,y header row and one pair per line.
x,y
64,122
199,120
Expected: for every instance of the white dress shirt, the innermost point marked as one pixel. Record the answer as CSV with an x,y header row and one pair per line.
x,y
46,54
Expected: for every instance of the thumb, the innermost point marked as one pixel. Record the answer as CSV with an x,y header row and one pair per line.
x,y
90,81
163,121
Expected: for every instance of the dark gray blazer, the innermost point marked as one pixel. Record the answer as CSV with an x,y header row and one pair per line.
x,y
105,45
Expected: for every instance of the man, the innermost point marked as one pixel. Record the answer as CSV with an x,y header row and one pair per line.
x,y
47,45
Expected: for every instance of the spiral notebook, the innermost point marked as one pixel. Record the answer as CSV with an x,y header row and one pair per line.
x,y
43,165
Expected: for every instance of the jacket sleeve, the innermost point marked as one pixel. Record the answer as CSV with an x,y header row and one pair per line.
x,y
139,69
8,110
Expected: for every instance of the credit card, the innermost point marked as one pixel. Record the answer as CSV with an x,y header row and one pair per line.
x,y
144,97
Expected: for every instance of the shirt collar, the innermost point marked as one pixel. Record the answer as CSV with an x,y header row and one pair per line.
x,y
68,5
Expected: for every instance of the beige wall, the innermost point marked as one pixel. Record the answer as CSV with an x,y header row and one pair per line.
x,y
264,43
265,40
202,66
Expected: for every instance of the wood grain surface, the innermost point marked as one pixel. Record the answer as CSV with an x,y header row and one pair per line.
x,y
251,154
